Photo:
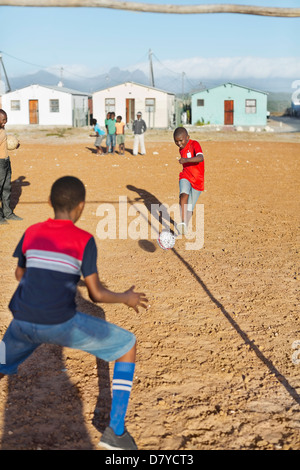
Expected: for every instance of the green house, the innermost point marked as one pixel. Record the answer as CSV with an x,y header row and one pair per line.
x,y
229,104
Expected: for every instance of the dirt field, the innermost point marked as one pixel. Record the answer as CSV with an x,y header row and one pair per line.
x,y
215,366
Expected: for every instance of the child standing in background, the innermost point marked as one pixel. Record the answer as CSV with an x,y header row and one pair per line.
x,y
6,212
120,133
139,127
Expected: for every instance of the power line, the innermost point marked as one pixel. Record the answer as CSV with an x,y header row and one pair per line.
x,y
24,61
42,66
182,76
164,66
171,82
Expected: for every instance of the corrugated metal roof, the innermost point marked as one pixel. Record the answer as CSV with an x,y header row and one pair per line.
x,y
66,90
135,83
230,83
53,87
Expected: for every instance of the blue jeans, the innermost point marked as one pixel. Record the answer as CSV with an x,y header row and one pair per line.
x,y
111,140
84,332
185,187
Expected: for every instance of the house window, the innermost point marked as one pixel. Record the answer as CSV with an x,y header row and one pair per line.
x,y
15,105
150,105
200,102
250,107
110,105
54,106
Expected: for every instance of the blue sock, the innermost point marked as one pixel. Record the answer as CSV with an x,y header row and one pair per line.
x,y
121,388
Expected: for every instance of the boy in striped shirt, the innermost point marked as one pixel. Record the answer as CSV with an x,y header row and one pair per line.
x,y
52,256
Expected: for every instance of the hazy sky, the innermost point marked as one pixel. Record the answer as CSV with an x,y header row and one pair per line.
x,y
89,41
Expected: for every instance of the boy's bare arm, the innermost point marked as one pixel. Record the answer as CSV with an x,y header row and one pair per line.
x,y
197,159
19,273
99,293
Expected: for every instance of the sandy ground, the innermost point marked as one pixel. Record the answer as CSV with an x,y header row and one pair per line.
x,y
216,368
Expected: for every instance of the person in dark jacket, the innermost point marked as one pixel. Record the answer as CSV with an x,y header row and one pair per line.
x,y
139,128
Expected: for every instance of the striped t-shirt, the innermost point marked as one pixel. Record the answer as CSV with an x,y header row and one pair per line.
x,y
55,253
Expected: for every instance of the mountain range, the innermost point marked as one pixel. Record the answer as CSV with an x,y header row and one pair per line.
x,y
279,98
116,76
89,84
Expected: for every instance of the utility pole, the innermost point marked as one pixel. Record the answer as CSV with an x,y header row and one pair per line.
x,y
151,69
5,74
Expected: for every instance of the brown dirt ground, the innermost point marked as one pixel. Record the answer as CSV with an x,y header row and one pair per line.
x,y
214,367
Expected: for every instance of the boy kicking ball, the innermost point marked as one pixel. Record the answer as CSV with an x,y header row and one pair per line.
x,y
191,178
52,255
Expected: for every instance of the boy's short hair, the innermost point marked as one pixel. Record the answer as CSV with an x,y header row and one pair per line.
x,y
180,131
66,193
3,112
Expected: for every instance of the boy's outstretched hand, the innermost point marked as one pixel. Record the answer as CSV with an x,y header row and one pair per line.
x,y
99,293
135,299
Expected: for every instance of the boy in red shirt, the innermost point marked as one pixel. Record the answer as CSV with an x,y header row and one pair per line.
x,y
191,178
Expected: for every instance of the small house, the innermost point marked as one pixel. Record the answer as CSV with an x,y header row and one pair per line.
x,y
230,105
47,106
157,106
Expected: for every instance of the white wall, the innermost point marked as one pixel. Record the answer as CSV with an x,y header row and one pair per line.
x,y
43,95
164,103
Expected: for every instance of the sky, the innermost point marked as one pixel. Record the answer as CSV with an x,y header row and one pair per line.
x,y
86,42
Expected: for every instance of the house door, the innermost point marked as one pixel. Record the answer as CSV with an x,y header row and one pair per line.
x,y
33,111
130,105
228,112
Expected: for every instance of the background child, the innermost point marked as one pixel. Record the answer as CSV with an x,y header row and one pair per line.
x,y
105,122
6,212
120,133
191,178
51,257
99,136
106,119
111,134
139,127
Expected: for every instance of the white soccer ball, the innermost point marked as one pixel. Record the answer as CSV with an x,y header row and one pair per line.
x,y
166,240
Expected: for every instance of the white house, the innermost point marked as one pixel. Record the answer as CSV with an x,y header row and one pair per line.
x,y
47,106
157,106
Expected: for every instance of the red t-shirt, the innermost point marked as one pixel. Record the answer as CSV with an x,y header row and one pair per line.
x,y
193,172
